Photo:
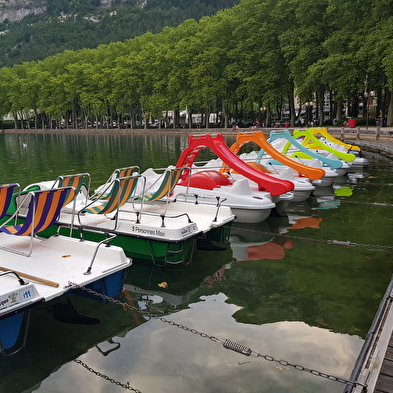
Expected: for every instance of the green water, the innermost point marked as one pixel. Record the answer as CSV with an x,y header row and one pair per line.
x,y
305,301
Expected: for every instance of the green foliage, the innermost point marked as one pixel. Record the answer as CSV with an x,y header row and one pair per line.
x,y
125,60
82,24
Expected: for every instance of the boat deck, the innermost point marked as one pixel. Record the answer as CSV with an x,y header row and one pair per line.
x,y
177,220
59,260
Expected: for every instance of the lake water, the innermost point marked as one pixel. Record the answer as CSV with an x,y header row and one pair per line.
x,y
292,297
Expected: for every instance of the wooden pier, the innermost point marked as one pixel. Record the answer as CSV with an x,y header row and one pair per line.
x,y
373,371
385,380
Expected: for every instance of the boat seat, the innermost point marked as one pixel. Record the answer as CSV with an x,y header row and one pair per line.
x,y
117,174
76,181
6,192
111,198
43,210
169,180
125,172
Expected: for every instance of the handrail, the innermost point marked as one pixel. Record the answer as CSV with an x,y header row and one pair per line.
x,y
219,200
20,279
105,241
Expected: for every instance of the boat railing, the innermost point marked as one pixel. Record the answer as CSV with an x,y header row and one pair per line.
x,y
20,279
217,200
163,217
82,229
106,242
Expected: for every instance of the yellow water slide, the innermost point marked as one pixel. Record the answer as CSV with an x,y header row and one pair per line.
x,y
324,132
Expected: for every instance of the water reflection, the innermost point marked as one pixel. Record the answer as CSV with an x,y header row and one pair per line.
x,y
305,301
52,343
158,357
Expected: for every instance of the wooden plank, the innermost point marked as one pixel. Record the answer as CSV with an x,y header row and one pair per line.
x,y
389,353
387,368
30,277
384,385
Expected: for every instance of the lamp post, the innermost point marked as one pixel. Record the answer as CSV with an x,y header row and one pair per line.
x,y
263,116
308,106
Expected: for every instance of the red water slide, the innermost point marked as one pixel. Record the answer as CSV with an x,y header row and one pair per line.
x,y
219,147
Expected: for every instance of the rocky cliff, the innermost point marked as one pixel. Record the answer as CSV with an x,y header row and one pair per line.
x,y
15,10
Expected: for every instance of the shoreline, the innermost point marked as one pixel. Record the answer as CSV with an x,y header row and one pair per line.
x,y
362,132
375,139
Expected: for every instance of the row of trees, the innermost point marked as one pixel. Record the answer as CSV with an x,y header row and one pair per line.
x,y
242,63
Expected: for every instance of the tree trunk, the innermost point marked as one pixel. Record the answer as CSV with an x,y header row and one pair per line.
x,y
321,114
339,108
176,118
292,113
390,110
268,116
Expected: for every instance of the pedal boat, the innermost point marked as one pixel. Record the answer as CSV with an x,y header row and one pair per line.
x,y
251,197
35,270
292,148
309,140
300,175
149,227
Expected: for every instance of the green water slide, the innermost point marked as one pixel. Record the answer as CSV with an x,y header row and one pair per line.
x,y
303,151
311,142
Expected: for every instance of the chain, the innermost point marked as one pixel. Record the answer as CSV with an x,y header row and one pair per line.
x,y
377,204
363,182
123,385
249,352
333,242
127,306
228,344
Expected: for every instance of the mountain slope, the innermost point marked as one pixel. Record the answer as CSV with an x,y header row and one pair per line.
x,y
35,29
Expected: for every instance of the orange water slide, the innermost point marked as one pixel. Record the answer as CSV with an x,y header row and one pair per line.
x,y
259,138
217,144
